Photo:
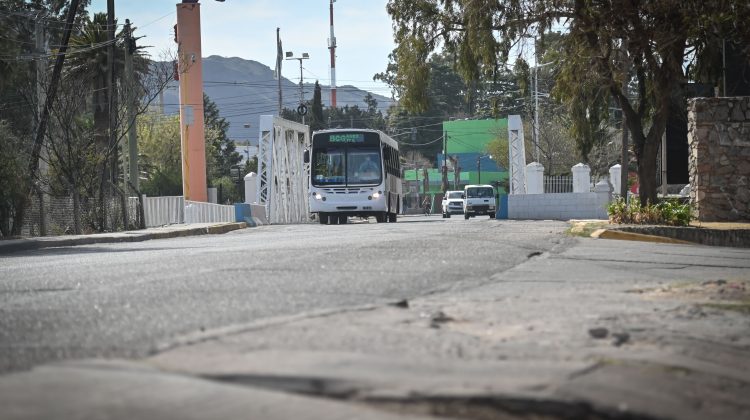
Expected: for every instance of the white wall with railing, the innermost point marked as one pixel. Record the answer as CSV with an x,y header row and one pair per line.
x,y
584,202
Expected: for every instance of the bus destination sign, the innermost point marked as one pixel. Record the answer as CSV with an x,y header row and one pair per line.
x,y
347,138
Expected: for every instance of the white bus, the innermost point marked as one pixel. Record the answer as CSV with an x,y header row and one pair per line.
x,y
354,172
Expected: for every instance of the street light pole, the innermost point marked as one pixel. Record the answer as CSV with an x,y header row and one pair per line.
x,y
479,170
479,167
305,56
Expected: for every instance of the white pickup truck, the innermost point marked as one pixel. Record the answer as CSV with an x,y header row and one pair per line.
x,y
479,200
453,203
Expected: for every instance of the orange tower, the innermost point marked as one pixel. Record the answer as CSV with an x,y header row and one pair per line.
x,y
190,70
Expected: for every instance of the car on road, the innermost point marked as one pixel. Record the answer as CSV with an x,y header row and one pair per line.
x,y
479,200
453,203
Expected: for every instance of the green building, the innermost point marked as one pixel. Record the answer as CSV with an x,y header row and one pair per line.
x,y
468,161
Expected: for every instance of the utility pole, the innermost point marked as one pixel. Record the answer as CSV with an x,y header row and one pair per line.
x,y
479,170
279,60
445,161
332,47
40,39
132,98
301,89
111,79
112,112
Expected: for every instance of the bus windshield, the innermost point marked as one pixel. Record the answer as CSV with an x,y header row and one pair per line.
x,y
346,166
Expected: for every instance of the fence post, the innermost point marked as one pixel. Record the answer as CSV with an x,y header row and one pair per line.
x,y
251,188
534,178
615,177
603,191
581,178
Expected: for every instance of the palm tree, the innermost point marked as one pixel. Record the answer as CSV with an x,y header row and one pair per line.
x,y
88,60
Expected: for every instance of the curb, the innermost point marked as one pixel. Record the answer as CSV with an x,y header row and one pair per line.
x,y
630,236
16,245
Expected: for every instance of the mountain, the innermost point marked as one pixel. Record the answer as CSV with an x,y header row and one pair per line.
x,y
244,90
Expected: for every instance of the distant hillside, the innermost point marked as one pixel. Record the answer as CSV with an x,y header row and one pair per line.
x,y
245,89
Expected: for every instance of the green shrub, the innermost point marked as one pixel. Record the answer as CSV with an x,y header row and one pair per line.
x,y
668,212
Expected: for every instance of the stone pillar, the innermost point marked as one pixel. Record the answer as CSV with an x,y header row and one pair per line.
x,y
615,176
251,188
719,165
534,178
581,178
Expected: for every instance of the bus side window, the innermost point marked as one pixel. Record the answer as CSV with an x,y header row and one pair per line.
x,y
389,161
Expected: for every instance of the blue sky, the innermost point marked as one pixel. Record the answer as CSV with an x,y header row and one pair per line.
x,y
247,29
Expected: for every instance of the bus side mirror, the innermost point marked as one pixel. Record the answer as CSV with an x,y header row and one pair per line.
x,y
306,156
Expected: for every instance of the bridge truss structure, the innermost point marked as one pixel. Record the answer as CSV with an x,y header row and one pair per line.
x,y
517,153
282,174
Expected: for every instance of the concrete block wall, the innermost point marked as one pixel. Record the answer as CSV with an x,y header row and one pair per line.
x,y
557,206
719,141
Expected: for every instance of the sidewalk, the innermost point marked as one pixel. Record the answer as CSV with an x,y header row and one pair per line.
x,y
736,235
170,231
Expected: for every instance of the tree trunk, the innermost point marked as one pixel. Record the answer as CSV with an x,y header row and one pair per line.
x,y
647,173
76,211
20,213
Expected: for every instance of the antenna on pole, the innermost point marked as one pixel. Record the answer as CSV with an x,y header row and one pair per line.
x,y
332,47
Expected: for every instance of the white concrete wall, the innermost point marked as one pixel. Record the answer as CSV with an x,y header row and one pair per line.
x,y
568,206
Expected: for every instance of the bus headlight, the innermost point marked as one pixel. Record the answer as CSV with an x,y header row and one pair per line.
x,y
377,195
318,196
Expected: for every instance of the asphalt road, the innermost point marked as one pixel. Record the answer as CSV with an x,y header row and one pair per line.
x,y
132,299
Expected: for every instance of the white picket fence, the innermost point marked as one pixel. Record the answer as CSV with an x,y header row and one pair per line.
x,y
198,212
160,211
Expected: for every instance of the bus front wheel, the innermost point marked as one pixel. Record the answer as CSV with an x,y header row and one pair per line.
x,y
323,218
392,217
381,217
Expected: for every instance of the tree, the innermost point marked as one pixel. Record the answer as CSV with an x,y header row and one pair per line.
x,y
89,61
221,153
317,120
161,161
661,36
71,147
13,166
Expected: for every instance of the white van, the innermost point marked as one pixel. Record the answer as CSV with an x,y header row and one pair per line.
x,y
479,200
453,203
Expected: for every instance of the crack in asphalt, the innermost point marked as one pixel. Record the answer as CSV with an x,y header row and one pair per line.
x,y
641,262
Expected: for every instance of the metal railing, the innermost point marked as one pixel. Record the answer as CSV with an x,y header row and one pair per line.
x,y
558,184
